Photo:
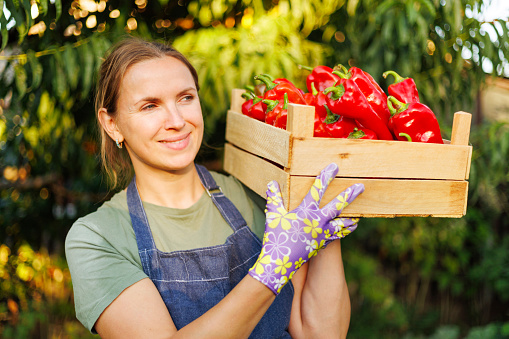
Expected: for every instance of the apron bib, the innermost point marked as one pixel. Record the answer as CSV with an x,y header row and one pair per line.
x,y
193,281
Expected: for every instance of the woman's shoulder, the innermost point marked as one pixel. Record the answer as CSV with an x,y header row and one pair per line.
x,y
109,219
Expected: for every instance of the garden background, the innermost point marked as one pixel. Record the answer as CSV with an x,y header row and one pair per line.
x,y
408,277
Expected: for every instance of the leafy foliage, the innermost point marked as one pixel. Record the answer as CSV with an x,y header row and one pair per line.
x,y
408,277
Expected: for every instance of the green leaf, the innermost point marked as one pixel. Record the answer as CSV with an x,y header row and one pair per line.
x,y
58,8
36,70
28,13
69,63
44,7
5,32
18,17
2,7
87,62
21,79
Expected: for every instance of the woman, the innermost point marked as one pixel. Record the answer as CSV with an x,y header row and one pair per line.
x,y
172,255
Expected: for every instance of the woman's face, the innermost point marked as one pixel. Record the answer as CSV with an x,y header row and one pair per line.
x,y
159,116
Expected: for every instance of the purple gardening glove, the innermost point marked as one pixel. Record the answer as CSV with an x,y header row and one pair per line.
x,y
292,238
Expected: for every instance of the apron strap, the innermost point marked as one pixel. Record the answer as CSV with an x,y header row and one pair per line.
x,y
228,210
139,219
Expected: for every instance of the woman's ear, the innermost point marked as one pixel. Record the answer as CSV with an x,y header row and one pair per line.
x,y
109,125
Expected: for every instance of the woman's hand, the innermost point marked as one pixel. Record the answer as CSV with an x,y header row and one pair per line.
x,y
292,238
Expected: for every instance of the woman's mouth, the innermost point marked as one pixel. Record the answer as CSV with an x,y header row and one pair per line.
x,y
177,143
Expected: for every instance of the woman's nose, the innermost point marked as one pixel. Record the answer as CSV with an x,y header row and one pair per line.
x,y
174,119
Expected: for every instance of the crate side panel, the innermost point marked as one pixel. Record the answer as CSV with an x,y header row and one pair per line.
x,y
380,159
254,172
392,197
258,137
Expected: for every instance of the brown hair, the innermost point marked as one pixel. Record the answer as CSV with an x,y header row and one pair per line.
x,y
124,54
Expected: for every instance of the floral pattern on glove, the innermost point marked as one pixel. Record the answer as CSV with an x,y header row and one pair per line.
x,y
292,238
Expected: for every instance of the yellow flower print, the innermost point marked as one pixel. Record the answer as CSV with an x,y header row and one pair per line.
x,y
316,247
260,262
274,200
282,265
299,263
281,217
317,185
280,283
342,201
312,226
327,234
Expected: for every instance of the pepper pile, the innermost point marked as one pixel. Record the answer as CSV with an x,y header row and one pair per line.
x,y
348,103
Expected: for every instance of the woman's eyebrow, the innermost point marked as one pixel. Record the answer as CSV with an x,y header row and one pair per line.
x,y
147,99
156,99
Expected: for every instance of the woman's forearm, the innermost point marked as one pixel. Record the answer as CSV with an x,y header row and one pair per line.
x,y
325,302
235,316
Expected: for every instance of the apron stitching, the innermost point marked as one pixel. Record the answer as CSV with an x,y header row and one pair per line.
x,y
188,281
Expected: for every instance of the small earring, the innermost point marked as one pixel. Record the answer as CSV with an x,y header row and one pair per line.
x,y
119,144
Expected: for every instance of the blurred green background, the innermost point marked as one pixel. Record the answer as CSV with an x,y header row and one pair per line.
x,y
408,277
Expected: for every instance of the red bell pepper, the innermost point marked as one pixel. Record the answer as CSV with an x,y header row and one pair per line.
x,y
321,77
253,106
413,122
277,112
346,99
276,90
362,133
338,126
403,89
371,90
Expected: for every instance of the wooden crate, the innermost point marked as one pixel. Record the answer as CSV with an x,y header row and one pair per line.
x,y
400,178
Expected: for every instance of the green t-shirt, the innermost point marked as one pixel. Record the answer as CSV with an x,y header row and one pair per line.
x,y
101,248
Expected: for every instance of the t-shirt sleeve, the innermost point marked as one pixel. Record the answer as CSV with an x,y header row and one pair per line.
x,y
100,270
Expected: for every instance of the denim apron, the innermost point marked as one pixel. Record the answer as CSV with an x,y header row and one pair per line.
x,y
192,281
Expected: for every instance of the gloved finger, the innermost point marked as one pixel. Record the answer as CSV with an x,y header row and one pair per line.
x,y
321,183
274,197
336,206
341,227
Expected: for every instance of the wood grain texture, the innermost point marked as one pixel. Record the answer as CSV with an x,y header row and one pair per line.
x,y
382,198
392,198
256,137
379,158
301,120
255,172
461,128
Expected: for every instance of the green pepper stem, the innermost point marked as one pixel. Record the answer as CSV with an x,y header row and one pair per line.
x,y
340,67
397,78
337,91
271,104
409,138
356,134
342,75
307,68
248,95
313,89
285,101
266,79
331,117
401,106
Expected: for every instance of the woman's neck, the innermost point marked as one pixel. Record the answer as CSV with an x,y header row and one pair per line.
x,y
175,190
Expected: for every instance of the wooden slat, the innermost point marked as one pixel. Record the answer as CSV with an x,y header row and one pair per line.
x,y
257,137
382,198
380,158
237,100
392,198
301,121
254,172
461,128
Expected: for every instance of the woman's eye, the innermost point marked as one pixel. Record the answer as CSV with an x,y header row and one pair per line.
x,y
187,97
148,107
